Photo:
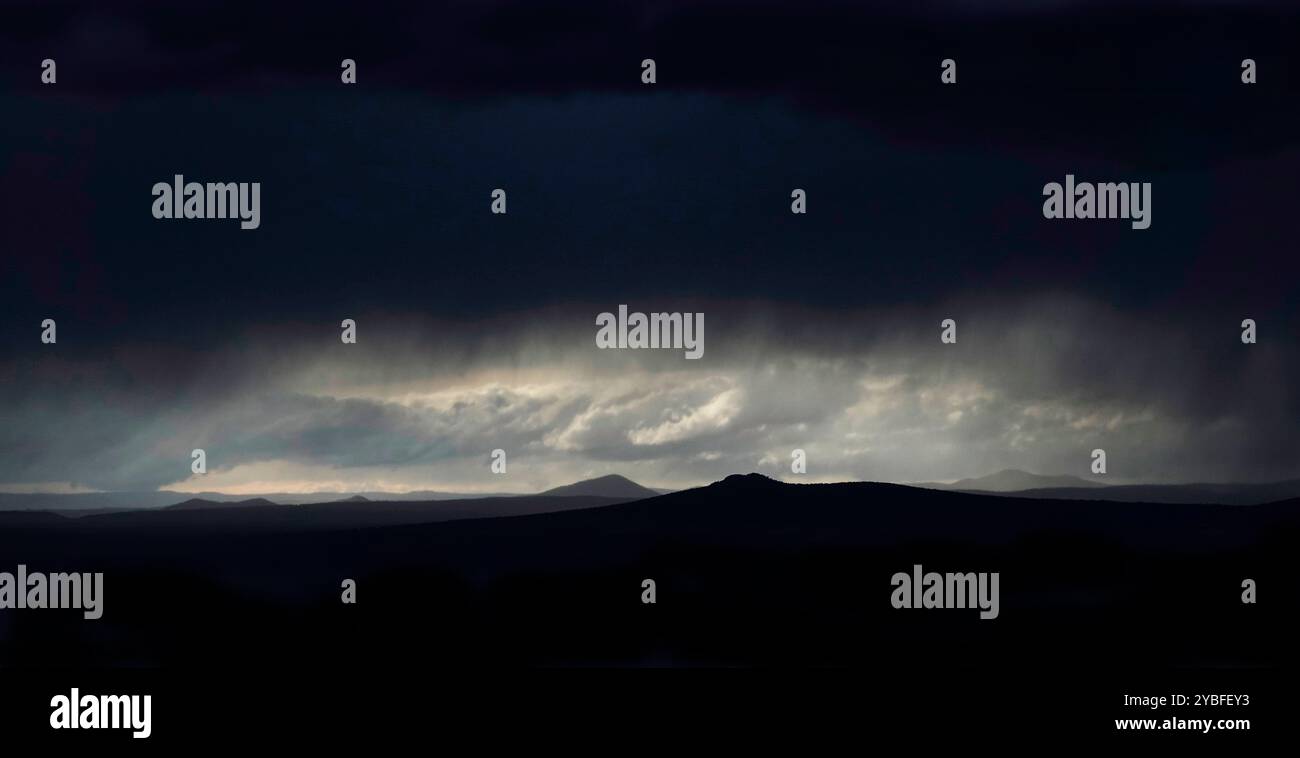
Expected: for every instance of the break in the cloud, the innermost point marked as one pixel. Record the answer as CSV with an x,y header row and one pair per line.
x,y
1035,385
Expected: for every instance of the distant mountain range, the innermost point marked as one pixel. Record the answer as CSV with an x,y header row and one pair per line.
x,y
412,507
260,515
1067,487
256,515
1013,480
1220,494
194,504
87,503
197,503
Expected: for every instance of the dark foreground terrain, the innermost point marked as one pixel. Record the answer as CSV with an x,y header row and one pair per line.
x,y
749,572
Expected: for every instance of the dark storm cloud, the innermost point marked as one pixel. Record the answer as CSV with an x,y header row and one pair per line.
x,y
514,45
380,201
1032,74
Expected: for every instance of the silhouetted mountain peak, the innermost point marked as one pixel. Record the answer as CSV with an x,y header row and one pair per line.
x,y
198,503
612,485
355,499
750,481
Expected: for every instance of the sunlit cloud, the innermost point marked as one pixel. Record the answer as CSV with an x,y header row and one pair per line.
x,y
902,408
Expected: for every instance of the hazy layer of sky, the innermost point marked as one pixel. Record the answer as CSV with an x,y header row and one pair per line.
x,y
419,404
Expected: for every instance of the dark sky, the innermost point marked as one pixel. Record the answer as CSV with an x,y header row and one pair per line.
x,y
476,330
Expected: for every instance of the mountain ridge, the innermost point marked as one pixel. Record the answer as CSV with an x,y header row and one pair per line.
x,y
610,485
1015,480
